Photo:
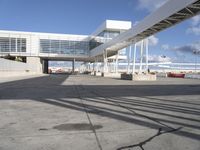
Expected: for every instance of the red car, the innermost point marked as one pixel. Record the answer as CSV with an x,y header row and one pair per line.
x,y
176,75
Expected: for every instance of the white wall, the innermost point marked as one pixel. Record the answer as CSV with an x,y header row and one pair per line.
x,y
14,66
33,41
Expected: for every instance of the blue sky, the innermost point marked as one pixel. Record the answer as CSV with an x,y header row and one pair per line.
x,y
84,16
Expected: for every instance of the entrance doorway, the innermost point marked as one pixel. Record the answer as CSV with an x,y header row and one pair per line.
x,y
63,67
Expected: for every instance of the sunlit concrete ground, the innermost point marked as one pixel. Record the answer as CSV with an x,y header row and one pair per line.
x,y
60,112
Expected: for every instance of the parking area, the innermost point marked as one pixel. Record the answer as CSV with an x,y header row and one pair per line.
x,y
82,112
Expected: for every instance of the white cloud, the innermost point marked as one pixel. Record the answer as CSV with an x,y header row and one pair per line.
x,y
157,58
195,20
189,48
151,5
195,26
135,23
165,47
153,41
194,30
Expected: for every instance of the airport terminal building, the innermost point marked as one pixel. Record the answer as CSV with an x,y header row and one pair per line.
x,y
37,48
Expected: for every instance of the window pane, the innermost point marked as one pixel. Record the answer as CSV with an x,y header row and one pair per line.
x,y
64,47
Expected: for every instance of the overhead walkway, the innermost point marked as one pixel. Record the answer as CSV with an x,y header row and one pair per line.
x,y
170,14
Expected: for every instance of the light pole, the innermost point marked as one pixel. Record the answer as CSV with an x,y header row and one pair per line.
x,y
196,52
195,62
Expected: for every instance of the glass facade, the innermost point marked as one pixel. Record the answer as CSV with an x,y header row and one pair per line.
x,y
103,37
69,47
12,44
64,47
95,43
109,34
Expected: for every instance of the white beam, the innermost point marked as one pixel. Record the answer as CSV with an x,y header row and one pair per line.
x,y
147,53
141,56
134,58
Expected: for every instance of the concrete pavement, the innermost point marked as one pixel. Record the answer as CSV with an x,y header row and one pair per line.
x,y
82,112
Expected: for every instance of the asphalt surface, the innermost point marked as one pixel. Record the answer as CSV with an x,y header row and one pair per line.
x,y
80,112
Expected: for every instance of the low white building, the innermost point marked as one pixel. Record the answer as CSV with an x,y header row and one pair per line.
x,y
38,48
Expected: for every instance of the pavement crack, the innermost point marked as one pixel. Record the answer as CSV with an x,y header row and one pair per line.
x,y
168,129
87,114
129,109
141,144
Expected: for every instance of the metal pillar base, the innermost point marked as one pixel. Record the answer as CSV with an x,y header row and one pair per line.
x,y
73,66
45,66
